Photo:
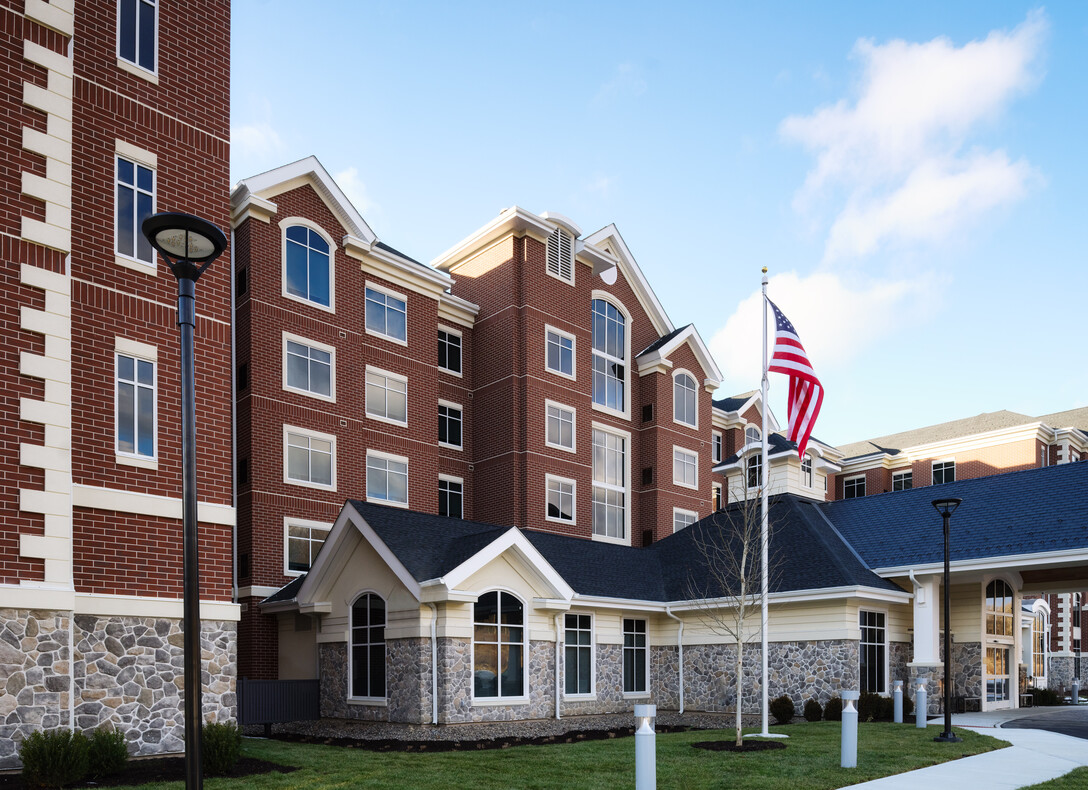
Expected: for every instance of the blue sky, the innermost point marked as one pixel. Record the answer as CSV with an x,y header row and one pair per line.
x,y
914,177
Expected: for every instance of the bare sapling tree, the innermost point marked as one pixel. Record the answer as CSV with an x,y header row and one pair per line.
x,y
726,578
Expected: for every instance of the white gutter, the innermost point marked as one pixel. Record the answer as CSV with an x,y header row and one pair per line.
x,y
1065,557
434,663
680,650
558,655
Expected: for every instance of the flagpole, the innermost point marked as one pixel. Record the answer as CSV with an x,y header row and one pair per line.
x,y
765,471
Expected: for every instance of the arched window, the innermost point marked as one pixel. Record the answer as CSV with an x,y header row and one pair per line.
x,y
1038,645
306,265
498,646
683,400
609,355
368,647
752,434
999,608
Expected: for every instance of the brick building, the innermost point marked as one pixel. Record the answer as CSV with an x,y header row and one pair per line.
x,y
101,129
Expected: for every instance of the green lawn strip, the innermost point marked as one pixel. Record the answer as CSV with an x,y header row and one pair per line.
x,y
1074,780
811,760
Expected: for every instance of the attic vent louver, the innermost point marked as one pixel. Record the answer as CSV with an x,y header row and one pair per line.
x,y
561,255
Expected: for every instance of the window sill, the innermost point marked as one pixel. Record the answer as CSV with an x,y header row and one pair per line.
x,y
372,702
689,486
617,541
683,424
493,702
314,395
383,336
456,447
551,446
560,373
308,484
136,265
580,697
565,522
139,71
142,463
449,372
623,415
386,420
386,502
636,695
329,308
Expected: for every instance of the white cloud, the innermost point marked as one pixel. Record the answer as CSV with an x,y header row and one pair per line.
x,y
836,319
356,191
256,141
626,82
900,151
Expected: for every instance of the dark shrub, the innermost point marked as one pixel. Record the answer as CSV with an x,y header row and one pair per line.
x,y
833,709
813,711
782,709
1044,697
887,709
868,706
222,745
108,753
56,758
908,707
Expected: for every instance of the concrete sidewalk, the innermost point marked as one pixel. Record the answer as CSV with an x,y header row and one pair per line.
x,y
1035,756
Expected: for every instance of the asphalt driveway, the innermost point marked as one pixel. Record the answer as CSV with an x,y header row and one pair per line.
x,y
1065,720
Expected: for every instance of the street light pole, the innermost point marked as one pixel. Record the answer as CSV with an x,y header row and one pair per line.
x,y
946,507
188,244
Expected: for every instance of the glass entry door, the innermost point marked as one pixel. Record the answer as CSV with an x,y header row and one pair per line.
x,y
997,677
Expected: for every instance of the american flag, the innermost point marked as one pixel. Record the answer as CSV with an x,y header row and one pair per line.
x,y
806,393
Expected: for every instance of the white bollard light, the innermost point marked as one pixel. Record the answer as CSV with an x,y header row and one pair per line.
x,y
645,748
849,730
920,712
897,700
1076,691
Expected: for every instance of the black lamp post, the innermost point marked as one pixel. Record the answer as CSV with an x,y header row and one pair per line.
x,y
946,507
188,244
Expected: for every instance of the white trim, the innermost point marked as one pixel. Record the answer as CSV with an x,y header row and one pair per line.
x,y
388,375
291,521
720,448
138,352
1062,557
695,388
511,539
719,490
548,479
573,426
449,330
573,375
627,516
444,478
402,459
613,300
932,469
499,699
564,232
120,501
461,410
678,449
645,648
136,154
887,647
592,693
290,222
685,512
389,292
133,66
854,479
377,701
309,434
304,341
137,157
633,275
147,606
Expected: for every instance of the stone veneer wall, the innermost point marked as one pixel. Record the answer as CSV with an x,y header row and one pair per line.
x,y
967,669
608,685
899,654
407,683
455,685
665,677
1060,675
126,674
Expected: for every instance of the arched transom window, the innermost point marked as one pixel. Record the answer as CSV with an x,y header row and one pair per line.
x,y
999,599
498,646
307,265
752,434
683,400
368,647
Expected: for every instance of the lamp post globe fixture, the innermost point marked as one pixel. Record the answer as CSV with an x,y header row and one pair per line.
x,y
946,507
188,244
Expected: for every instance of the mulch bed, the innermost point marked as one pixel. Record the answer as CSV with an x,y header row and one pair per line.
x,y
731,746
159,769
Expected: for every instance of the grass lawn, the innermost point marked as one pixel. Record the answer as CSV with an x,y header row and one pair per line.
x,y
811,761
1075,780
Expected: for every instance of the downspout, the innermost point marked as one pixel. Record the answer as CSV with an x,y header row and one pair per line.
x,y
233,430
680,651
557,657
434,663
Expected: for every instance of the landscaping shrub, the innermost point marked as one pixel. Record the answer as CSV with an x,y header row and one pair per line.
x,y
782,709
56,758
1044,697
887,709
813,711
108,753
833,709
908,706
868,706
222,745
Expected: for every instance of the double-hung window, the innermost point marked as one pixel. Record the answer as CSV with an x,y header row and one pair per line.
x,y
137,32
449,424
853,487
386,314
304,539
386,478
307,265
609,485
451,496
560,499
449,351
874,651
135,406
309,458
308,367
902,481
578,654
684,400
386,396
683,518
368,647
559,426
685,468
806,471
716,447
498,646
135,203
609,356
559,352
754,471
944,472
635,656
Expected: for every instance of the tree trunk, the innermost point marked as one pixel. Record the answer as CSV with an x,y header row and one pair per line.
x,y
740,688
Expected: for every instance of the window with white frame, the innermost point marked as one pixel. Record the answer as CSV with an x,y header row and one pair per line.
x,y
754,471
716,447
1039,633
718,501
135,406
386,314
308,367
999,608
1076,601
449,351
853,487
307,265
559,352
559,426
609,485
310,457
752,435
609,356
135,203
1044,455
451,496
683,518
902,481
368,647
449,424
386,478
578,654
560,499
806,471
498,646
873,650
944,472
386,396
137,32
560,255
685,468
635,656
684,400
304,539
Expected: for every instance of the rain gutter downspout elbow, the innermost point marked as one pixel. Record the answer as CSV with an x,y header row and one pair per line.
x,y
680,653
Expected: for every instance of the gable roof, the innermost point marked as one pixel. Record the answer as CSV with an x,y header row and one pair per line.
x,y
737,402
1033,511
634,277
666,344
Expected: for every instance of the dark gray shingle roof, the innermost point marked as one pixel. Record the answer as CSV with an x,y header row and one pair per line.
x,y
661,341
733,403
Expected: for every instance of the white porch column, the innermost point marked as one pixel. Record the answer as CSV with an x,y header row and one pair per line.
x,y
927,598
